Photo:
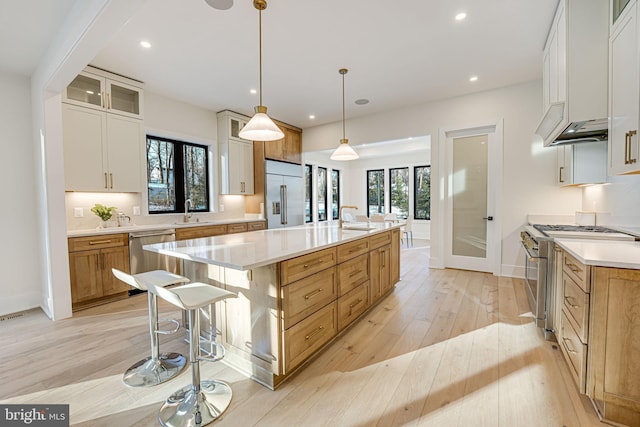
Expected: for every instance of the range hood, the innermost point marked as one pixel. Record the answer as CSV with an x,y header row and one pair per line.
x,y
594,130
575,74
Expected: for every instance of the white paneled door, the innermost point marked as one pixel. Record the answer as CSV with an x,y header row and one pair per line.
x,y
473,167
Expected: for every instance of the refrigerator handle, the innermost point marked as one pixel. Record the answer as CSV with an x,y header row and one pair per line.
x,y
283,198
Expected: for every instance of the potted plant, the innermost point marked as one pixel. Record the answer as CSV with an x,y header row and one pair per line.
x,y
104,212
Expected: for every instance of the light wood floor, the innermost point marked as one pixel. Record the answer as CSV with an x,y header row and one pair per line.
x,y
446,348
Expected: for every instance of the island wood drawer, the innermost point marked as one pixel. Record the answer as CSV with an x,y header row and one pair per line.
x,y
352,305
575,352
577,270
185,233
260,225
306,296
353,272
305,338
97,242
378,240
302,266
352,249
240,227
576,303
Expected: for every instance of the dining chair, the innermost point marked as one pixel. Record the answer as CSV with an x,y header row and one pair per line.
x,y
377,218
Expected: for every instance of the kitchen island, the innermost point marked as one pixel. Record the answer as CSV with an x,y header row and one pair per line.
x,y
298,288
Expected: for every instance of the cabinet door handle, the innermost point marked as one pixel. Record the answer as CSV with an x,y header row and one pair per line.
x,y
312,294
102,98
561,178
106,181
101,262
314,333
108,101
111,179
627,147
569,349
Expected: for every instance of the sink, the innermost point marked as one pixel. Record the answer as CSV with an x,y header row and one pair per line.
x,y
358,227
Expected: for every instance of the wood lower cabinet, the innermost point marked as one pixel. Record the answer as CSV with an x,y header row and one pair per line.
x,y
614,346
380,277
186,233
258,225
91,260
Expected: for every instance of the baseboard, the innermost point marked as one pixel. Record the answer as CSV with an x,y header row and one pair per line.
x,y
515,271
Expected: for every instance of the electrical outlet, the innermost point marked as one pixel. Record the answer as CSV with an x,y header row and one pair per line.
x,y
136,210
221,208
78,212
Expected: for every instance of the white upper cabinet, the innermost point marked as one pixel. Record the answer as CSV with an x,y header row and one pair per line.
x,y
574,67
101,90
236,155
624,93
583,163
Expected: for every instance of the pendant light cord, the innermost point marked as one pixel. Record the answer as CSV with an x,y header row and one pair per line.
x,y
260,47
343,125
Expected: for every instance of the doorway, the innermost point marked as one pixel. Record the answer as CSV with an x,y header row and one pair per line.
x,y
473,171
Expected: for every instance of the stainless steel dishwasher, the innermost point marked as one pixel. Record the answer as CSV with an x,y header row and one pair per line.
x,y
141,260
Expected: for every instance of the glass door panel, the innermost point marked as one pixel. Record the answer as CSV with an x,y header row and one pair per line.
x,y
469,190
124,99
85,90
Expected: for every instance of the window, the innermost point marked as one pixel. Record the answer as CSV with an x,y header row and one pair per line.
x,y
422,192
335,193
176,171
322,194
308,189
375,191
399,192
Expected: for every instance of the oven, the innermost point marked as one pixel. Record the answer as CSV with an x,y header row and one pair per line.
x,y
539,279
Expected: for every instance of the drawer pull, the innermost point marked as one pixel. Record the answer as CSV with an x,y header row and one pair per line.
x,y
312,294
100,242
569,349
355,273
569,301
353,304
572,267
313,263
314,333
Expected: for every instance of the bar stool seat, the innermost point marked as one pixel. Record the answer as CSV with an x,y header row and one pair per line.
x,y
201,402
157,368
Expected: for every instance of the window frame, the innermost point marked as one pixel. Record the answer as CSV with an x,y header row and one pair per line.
x,y
406,168
415,193
308,196
383,190
324,169
335,195
179,175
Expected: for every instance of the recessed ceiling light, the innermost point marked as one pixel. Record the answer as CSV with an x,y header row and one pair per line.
x,y
253,91
145,44
473,79
461,16
311,116
361,101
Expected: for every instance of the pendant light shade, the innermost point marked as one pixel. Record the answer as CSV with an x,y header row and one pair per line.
x,y
261,127
344,151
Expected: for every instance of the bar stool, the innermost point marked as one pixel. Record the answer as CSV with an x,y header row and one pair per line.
x,y
156,368
201,402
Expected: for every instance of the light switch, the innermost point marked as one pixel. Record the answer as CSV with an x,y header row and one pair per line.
x,y
136,210
78,212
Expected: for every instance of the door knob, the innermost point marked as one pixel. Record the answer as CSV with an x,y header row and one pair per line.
x,y
488,218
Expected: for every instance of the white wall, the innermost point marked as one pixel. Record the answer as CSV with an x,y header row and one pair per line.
x,y
616,203
21,285
529,169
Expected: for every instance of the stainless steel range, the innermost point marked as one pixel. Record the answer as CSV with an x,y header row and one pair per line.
x,y
538,244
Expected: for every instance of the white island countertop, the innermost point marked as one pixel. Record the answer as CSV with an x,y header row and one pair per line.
x,y
603,253
245,251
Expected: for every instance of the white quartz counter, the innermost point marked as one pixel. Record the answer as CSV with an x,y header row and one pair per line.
x,y
149,227
603,253
244,251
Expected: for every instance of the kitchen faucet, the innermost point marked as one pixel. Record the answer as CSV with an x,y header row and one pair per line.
x,y
187,203
340,213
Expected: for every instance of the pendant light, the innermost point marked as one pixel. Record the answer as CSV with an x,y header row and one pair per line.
x,y
344,151
261,127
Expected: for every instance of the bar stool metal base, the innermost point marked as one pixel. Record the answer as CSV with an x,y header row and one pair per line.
x,y
149,372
187,408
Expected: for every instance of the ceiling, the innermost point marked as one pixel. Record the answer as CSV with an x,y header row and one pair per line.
x,y
399,53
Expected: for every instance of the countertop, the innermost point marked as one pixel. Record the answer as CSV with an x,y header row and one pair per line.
x,y
244,251
149,227
603,253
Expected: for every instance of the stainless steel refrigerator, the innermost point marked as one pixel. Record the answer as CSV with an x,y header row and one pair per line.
x,y
284,194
